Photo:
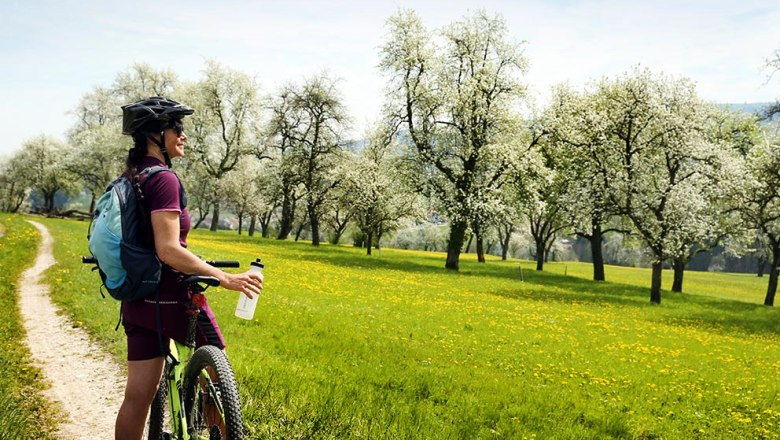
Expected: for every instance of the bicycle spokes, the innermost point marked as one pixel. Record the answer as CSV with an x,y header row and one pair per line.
x,y
208,412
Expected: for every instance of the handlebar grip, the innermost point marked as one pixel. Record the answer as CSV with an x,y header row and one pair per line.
x,y
211,281
223,263
88,260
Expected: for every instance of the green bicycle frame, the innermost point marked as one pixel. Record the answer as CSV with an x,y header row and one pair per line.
x,y
174,375
177,360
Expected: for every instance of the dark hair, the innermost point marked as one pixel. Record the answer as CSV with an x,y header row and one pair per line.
x,y
134,157
138,152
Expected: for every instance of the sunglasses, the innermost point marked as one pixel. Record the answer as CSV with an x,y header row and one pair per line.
x,y
177,127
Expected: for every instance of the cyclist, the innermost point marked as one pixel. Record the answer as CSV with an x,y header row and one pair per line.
x,y
158,136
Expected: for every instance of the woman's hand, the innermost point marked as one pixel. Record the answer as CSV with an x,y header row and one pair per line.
x,y
248,283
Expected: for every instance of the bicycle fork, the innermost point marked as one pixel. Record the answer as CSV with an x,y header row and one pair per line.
x,y
175,381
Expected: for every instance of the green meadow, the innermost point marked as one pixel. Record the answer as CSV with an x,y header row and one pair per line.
x,y
345,345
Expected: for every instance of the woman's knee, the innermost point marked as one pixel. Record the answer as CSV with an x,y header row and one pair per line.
x,y
143,378
141,392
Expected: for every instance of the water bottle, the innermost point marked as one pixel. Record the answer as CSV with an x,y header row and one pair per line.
x,y
246,306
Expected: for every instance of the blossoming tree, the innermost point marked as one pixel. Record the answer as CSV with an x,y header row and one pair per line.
x,y
455,97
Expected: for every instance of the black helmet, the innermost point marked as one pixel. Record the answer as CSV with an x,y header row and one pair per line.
x,y
155,109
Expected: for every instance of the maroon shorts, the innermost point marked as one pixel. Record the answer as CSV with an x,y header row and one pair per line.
x,y
166,312
144,343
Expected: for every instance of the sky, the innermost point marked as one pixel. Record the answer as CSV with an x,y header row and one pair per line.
x,y
54,52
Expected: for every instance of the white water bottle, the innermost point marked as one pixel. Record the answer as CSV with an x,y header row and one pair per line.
x,y
246,306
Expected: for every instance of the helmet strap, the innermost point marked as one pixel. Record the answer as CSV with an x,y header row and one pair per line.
x,y
161,143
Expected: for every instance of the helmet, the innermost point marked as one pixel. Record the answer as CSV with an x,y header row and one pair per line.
x,y
155,110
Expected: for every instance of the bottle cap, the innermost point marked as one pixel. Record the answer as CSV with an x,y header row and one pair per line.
x,y
257,263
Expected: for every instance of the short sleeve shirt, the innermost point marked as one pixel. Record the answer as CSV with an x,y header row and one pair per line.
x,y
162,192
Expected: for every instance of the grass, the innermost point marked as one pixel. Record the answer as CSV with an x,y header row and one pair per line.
x,y
23,411
733,286
393,346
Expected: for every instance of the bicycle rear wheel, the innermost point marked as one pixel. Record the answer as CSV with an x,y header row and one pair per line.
x,y
158,411
211,400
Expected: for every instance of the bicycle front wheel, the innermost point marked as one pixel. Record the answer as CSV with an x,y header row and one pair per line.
x,y
157,413
211,400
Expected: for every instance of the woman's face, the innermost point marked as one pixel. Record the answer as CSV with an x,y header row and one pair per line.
x,y
175,139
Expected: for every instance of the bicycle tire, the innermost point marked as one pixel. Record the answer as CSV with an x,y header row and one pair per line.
x,y
157,411
196,398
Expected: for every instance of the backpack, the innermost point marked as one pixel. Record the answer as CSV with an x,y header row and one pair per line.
x,y
120,239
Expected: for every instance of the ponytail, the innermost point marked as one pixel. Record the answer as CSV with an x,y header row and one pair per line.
x,y
134,157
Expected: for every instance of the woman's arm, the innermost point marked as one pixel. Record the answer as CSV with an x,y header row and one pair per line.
x,y
165,225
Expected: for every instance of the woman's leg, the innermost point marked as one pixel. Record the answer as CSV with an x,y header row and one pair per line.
x,y
142,380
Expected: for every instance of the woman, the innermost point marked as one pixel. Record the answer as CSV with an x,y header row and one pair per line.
x,y
158,135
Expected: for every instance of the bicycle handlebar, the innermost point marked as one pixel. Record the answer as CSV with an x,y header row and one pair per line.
x,y
223,263
195,282
215,263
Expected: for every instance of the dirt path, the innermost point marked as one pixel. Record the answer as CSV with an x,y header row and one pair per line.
x,y
84,381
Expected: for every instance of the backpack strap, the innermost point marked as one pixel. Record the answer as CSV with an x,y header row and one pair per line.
x,y
148,172
144,177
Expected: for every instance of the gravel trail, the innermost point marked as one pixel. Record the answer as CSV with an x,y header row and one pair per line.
x,y
83,380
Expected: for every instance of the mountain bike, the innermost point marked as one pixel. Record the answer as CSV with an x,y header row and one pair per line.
x,y
197,397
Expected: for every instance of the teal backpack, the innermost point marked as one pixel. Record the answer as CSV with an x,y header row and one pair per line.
x,y
120,239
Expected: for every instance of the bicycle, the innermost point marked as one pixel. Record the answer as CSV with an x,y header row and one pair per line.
x,y
198,386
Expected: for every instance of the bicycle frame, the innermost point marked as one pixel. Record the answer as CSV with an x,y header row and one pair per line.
x,y
175,363
174,375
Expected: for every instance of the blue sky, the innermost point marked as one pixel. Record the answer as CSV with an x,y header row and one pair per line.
x,y
53,52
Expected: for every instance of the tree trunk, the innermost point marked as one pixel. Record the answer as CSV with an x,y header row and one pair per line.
x,y
314,223
540,251
92,203
299,230
597,253
480,249
679,271
252,224
215,218
468,245
21,196
455,244
338,231
240,223
504,240
480,243
301,226
200,220
265,222
288,216
48,198
655,284
761,267
548,249
369,241
773,273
